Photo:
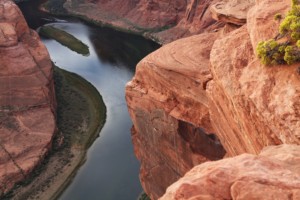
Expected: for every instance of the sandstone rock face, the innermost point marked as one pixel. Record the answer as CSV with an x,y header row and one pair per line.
x,y
258,103
27,98
211,82
162,20
168,106
232,11
273,174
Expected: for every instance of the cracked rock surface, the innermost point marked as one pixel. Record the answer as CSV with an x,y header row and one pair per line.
x,y
212,85
27,98
273,174
163,20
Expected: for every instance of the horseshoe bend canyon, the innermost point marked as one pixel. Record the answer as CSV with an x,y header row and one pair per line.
x,y
212,113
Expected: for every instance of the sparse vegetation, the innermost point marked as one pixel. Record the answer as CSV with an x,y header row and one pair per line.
x,y
81,114
80,108
144,196
285,48
65,39
278,17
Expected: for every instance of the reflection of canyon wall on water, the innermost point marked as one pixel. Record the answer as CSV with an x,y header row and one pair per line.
x,y
27,98
198,99
212,82
163,20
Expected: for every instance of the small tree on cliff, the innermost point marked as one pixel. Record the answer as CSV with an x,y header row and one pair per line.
x,y
272,52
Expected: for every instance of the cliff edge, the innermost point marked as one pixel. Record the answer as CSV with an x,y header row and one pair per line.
x,y
161,20
27,98
207,97
273,174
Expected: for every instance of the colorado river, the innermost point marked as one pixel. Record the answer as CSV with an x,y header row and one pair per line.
x,y
111,169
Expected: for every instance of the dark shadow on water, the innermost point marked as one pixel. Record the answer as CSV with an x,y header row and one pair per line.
x,y
111,169
120,48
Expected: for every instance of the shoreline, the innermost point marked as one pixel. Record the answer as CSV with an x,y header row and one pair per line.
x,y
55,173
119,25
65,39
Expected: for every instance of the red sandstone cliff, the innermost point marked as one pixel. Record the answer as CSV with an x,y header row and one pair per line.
x,y
27,98
273,174
163,20
198,95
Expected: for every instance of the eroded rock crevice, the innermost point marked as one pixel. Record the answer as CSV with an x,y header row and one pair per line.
x,y
168,148
207,145
246,105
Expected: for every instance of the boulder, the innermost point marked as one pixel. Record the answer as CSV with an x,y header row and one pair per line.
x,y
273,174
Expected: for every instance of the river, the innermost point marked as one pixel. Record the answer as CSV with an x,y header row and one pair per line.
x,y
111,169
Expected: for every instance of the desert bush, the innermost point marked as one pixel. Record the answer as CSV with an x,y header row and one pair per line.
x,y
273,52
278,17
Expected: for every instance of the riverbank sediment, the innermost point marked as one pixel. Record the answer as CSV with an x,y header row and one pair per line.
x,y
156,20
81,114
65,39
102,19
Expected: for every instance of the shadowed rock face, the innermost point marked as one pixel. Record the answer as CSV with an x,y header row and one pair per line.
x,y
273,174
163,20
214,82
176,146
168,104
27,98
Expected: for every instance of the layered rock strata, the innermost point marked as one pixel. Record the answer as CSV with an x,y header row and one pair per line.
x,y
168,106
273,174
27,98
211,82
162,20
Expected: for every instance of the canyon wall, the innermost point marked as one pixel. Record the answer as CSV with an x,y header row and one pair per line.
x,y
27,98
161,20
273,174
207,97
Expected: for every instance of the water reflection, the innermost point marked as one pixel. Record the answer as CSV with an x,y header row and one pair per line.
x,y
118,48
111,170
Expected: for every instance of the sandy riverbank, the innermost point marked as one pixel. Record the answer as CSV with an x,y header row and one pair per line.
x,y
92,14
81,114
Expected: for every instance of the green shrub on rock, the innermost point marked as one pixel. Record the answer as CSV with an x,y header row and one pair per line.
x,y
287,51
271,52
278,17
292,54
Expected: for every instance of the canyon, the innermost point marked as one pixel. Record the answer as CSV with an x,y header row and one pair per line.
x,y
27,98
208,97
161,20
203,103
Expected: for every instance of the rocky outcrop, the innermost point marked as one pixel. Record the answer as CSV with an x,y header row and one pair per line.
x,y
162,20
168,106
254,105
273,174
210,92
232,11
27,98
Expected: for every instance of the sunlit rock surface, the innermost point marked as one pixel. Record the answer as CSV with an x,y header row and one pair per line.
x,y
27,98
162,20
211,82
273,174
232,11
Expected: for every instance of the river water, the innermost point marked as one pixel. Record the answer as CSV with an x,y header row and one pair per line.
x,y
111,169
